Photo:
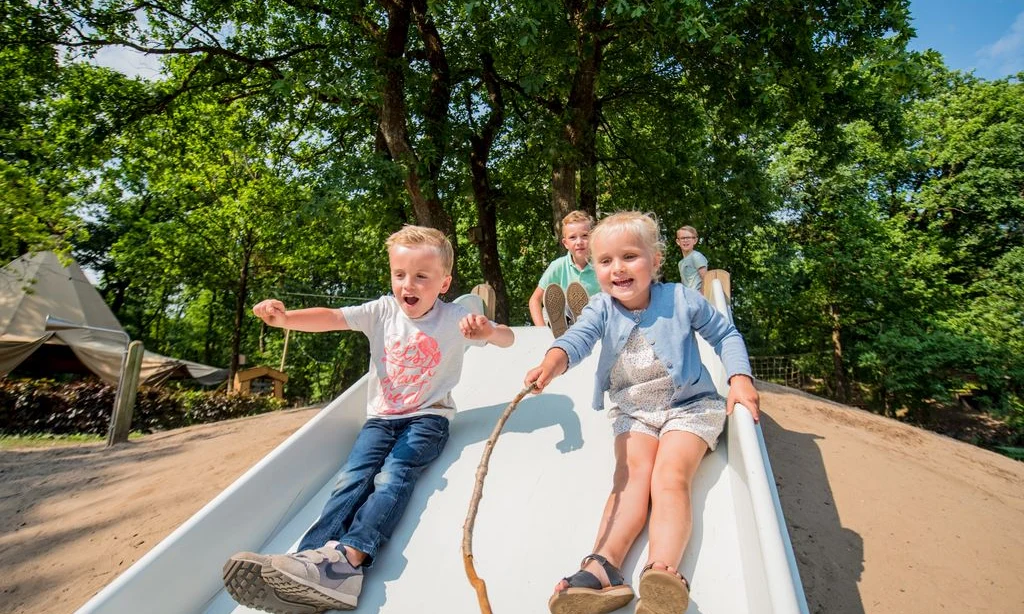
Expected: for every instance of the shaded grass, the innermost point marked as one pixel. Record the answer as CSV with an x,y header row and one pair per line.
x,y
49,440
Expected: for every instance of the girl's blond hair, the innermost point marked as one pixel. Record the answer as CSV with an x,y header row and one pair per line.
x,y
641,225
418,236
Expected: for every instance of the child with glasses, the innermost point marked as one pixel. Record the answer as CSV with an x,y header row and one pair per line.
x,y
694,265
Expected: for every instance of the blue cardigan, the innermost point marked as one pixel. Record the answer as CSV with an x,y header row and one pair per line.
x,y
667,324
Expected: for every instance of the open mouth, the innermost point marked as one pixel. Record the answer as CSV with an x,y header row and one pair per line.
x,y
411,300
622,283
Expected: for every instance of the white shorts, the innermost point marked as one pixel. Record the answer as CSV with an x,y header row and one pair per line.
x,y
704,418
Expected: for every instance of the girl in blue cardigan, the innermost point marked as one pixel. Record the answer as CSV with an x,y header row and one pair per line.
x,y
667,412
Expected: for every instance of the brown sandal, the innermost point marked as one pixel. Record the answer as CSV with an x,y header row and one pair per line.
x,y
585,595
662,592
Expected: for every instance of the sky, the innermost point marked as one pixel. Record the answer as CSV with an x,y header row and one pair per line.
x,y
986,36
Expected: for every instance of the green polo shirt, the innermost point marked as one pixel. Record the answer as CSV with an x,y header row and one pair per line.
x,y
563,271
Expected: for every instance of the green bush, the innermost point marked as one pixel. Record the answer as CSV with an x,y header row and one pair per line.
x,y
85,406
915,369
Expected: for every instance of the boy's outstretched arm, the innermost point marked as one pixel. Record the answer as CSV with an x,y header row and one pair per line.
x,y
311,320
476,326
555,362
741,390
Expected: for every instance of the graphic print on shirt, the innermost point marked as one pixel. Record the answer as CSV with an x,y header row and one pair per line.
x,y
409,369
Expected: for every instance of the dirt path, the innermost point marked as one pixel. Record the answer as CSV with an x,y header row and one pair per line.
x,y
884,517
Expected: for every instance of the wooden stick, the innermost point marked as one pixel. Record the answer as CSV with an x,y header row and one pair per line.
x,y
474,504
285,351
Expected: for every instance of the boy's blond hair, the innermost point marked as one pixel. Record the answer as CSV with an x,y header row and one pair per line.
x,y
690,228
641,225
577,217
419,236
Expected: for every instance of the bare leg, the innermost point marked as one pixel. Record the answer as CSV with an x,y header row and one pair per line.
x,y
355,557
679,455
625,512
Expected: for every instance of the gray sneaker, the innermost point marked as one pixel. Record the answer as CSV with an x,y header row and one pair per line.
x,y
323,577
243,580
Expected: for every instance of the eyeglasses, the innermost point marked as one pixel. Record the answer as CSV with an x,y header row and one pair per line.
x,y
686,238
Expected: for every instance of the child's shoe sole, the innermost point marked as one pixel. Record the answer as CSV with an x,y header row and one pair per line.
x,y
554,304
590,601
243,580
290,587
577,297
661,592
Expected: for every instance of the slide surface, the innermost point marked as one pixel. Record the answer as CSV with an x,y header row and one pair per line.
x,y
549,475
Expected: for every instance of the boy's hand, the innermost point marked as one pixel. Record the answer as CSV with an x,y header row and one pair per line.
x,y
476,326
270,311
741,390
554,364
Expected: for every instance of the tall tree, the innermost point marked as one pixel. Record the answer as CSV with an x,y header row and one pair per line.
x,y
751,65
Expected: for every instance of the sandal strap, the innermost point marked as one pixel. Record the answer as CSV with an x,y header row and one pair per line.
x,y
614,575
584,579
650,566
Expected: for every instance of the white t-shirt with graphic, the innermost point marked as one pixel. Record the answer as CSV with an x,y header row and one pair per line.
x,y
414,364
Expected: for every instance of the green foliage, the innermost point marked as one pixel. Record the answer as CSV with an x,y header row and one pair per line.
x,y
867,202
915,368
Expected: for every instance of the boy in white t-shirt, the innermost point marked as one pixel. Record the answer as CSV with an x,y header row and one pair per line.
x,y
417,343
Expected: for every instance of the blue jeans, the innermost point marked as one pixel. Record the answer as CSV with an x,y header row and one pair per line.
x,y
377,482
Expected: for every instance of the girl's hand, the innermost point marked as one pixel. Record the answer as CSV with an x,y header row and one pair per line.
x,y
271,311
741,390
554,364
476,326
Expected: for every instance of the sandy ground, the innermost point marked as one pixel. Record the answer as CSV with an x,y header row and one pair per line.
x,y
884,517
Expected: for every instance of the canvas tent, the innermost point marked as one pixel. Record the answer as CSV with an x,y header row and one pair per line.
x,y
36,285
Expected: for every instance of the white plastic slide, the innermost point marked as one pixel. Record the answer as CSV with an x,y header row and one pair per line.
x,y
548,479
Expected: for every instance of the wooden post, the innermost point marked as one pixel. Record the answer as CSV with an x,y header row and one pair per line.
x,y
124,401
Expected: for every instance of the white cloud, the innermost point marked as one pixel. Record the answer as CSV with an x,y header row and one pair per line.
x,y
1005,56
129,62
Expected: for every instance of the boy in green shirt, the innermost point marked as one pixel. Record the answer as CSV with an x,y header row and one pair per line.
x,y
569,281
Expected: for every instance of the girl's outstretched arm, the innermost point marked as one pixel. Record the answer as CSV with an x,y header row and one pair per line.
x,y
555,362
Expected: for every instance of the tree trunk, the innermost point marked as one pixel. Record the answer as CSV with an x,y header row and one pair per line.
x,y
420,174
483,193
581,117
842,392
563,192
240,298
209,336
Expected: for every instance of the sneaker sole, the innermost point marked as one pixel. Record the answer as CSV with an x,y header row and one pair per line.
x,y
243,580
577,298
554,303
295,588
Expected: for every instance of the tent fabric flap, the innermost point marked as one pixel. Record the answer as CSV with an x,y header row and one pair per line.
x,y
38,285
13,353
